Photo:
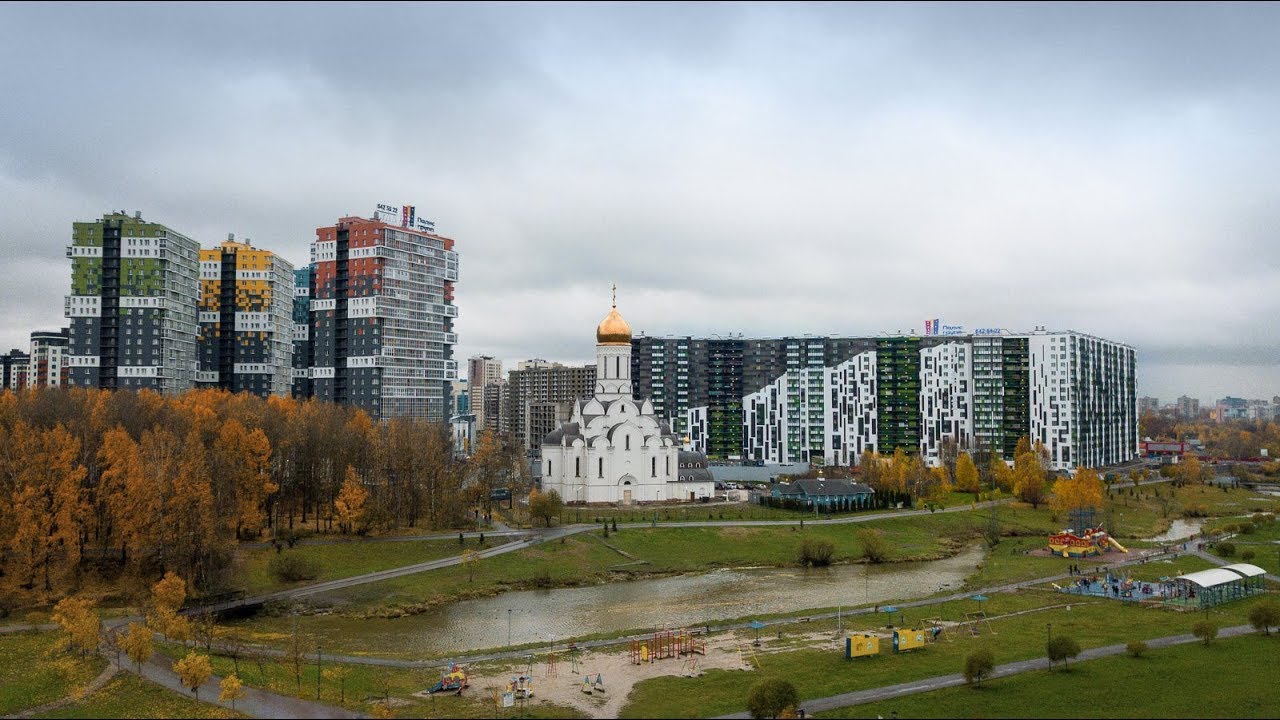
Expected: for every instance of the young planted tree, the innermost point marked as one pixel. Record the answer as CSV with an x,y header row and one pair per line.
x,y
137,644
977,666
1062,649
1265,615
768,698
1206,630
77,618
193,670
545,505
231,689
338,674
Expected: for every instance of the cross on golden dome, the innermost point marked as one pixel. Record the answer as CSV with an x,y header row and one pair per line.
x,y
613,330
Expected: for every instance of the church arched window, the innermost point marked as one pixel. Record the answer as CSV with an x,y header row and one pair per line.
x,y
548,466
601,467
654,467
577,467
627,441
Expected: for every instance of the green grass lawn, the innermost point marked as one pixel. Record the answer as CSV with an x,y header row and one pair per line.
x,y
129,696
33,673
1168,683
345,559
819,673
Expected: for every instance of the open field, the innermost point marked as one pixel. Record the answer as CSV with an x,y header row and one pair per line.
x,y
821,672
129,696
1166,683
341,560
33,673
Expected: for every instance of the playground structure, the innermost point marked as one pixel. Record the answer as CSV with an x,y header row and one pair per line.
x,y
1117,587
589,686
665,644
452,680
861,645
1087,543
935,629
976,620
521,686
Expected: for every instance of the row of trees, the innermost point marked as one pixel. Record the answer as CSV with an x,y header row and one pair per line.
x,y
904,473
138,483
1230,439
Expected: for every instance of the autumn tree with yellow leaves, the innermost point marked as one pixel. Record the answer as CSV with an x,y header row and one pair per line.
x,y
81,623
350,502
1084,490
193,670
967,474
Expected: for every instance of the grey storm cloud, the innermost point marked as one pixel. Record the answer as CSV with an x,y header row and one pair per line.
x,y
737,168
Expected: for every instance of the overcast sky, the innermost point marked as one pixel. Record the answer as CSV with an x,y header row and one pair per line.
x,y
757,169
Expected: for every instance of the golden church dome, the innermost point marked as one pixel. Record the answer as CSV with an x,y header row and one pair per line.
x,y
613,330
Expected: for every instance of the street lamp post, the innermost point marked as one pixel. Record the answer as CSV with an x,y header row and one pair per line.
x,y
508,627
1049,627
319,658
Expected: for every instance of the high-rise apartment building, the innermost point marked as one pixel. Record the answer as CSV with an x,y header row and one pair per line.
x,y
132,306
13,370
495,409
302,284
1148,405
382,315
540,397
481,371
1188,407
826,400
246,324
47,366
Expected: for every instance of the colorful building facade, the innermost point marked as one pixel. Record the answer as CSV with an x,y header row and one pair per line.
x,y
132,306
246,320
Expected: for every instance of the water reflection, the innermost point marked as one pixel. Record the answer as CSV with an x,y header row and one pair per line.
x,y
684,600
1179,529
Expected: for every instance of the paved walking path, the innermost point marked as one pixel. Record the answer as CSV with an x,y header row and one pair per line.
x,y
255,703
945,681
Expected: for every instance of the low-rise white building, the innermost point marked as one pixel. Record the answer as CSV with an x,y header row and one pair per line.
x,y
615,449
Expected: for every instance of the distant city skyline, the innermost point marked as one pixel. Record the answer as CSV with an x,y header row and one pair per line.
x,y
769,169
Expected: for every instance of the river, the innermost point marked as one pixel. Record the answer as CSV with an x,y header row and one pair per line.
x,y
677,601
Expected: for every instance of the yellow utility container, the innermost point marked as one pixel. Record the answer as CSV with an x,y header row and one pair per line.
x,y
861,645
904,640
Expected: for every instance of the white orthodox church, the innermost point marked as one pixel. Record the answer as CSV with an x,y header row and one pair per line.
x,y
614,449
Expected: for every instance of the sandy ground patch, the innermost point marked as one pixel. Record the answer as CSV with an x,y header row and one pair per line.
x,y
619,675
